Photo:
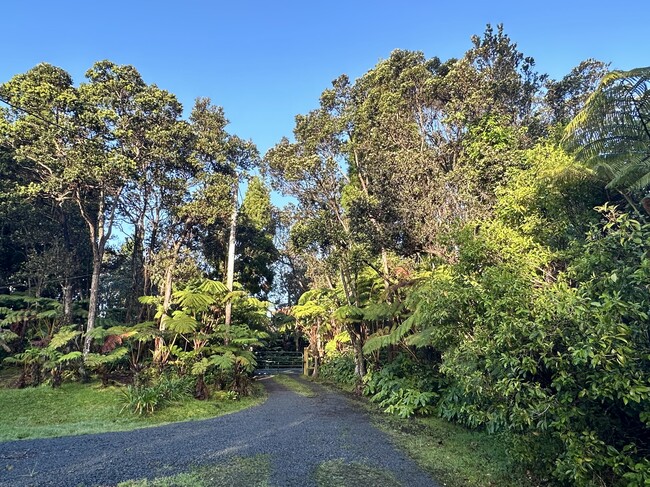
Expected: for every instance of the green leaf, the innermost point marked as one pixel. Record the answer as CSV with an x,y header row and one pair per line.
x,y
63,337
348,314
200,367
213,288
179,322
224,362
193,300
69,357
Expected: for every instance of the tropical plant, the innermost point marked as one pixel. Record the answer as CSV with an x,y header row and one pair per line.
x,y
145,398
52,357
198,341
612,132
403,387
339,368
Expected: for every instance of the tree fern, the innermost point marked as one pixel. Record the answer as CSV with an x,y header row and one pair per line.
x,y
348,314
612,132
388,336
193,300
63,337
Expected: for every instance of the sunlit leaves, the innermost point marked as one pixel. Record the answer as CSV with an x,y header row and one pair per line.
x,y
193,301
63,336
212,287
180,322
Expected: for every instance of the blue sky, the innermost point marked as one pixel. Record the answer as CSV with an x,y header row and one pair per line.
x,y
266,61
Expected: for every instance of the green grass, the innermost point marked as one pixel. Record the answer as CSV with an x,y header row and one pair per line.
x,y
256,471
337,473
249,471
294,385
454,455
42,412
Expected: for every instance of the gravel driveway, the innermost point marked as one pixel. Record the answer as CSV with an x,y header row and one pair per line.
x,y
298,433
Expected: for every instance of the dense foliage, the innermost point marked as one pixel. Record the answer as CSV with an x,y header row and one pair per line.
x,y
463,264
117,220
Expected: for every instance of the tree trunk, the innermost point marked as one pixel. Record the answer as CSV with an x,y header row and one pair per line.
x,y
356,336
159,342
100,229
137,264
230,273
145,311
67,302
94,294
316,349
66,287
384,268
359,359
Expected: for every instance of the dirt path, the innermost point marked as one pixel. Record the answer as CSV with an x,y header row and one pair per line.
x,y
298,433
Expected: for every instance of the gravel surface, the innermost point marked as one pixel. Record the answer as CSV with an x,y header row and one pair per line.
x,y
298,433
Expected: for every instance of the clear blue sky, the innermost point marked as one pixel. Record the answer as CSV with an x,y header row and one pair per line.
x,y
266,61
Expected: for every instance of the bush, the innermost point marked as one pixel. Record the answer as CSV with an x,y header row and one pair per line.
x,y
560,361
403,387
339,368
144,398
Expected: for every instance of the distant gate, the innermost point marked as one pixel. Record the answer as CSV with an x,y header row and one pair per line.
x,y
279,360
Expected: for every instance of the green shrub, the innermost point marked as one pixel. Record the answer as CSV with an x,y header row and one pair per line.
x,y
558,360
143,398
402,387
339,368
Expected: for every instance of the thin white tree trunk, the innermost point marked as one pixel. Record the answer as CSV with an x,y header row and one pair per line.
x,y
230,272
100,232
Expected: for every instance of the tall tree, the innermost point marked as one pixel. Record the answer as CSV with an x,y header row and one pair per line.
x,y
42,247
255,246
494,78
43,126
566,97
87,145
228,155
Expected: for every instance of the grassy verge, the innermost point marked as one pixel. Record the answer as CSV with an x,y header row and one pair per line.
x,y
454,455
294,385
42,412
256,471
250,471
337,473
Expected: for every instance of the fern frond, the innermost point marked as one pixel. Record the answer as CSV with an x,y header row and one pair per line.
x,y
612,132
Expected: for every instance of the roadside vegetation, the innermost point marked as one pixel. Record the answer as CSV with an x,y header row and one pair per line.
x,y
255,472
249,471
295,385
457,456
453,454
337,473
